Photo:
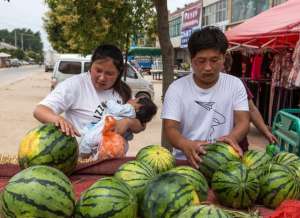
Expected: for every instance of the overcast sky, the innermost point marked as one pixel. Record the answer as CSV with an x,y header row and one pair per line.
x,y
29,13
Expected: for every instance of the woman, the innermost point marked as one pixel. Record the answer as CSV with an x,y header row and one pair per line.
x,y
80,97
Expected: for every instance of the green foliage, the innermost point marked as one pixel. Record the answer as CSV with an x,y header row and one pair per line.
x,y
79,26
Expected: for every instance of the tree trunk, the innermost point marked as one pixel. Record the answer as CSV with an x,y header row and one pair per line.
x,y
166,50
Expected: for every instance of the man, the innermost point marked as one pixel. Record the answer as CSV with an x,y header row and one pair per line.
x,y
206,105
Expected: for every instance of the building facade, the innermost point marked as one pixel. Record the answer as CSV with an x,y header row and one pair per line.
x,y
221,13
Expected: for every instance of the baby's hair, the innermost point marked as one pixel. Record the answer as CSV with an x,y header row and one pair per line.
x,y
147,111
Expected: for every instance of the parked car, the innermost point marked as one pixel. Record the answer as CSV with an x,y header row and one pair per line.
x,y
15,62
70,65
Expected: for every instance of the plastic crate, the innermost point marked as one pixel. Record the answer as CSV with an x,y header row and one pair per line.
x,y
286,127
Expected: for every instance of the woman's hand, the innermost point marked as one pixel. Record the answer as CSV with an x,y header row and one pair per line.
x,y
66,127
271,138
193,150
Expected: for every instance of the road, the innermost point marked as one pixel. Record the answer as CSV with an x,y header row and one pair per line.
x,y
13,74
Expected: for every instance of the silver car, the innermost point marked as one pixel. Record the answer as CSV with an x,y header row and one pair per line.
x,y
71,64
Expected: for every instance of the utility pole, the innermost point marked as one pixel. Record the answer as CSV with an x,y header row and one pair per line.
x,y
22,41
15,38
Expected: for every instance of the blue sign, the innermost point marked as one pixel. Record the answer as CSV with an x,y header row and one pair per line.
x,y
185,35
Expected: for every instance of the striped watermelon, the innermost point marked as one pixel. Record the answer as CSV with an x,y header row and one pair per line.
x,y
167,194
38,191
158,157
195,178
137,175
109,197
285,158
278,184
47,145
217,154
204,211
235,186
292,161
255,159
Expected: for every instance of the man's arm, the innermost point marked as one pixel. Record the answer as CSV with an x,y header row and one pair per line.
x,y
45,114
239,131
191,149
259,122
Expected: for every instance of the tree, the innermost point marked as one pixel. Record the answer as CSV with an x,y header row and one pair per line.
x,y
79,26
31,40
166,50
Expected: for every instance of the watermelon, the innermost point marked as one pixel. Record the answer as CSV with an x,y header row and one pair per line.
x,y
38,191
235,186
285,158
217,154
109,197
156,156
137,175
255,159
277,184
167,194
47,145
290,160
204,211
195,178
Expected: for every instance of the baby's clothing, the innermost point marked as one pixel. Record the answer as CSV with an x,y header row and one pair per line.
x,y
92,133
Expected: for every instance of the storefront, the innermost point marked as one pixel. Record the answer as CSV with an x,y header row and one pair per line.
x,y
265,52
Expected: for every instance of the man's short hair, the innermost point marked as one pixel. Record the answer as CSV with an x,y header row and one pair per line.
x,y
209,37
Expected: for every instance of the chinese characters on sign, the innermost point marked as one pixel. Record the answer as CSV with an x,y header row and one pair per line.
x,y
191,19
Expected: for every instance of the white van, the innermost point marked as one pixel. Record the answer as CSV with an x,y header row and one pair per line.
x,y
70,64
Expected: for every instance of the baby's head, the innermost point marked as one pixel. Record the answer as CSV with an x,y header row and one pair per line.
x,y
145,109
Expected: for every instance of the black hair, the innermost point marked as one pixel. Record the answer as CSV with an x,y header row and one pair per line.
x,y
209,37
113,52
146,111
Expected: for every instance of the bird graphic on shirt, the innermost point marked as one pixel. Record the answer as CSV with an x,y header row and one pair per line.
x,y
218,118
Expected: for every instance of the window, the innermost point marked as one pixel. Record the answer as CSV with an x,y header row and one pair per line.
x,y
278,2
131,73
215,13
86,67
175,26
221,11
244,9
70,67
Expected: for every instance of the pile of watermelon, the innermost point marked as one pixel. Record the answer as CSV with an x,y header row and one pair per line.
x,y
150,186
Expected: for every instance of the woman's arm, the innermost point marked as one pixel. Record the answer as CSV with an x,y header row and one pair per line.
x,y
46,115
259,122
131,124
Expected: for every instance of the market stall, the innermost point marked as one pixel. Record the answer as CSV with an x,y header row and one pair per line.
x,y
266,55
88,173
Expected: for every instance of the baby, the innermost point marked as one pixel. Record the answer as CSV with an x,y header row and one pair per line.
x,y
121,119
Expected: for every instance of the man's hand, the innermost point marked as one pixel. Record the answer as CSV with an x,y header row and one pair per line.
x,y
231,141
66,127
193,150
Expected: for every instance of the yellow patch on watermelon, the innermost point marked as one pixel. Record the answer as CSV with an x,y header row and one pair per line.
x,y
29,145
248,162
196,200
233,151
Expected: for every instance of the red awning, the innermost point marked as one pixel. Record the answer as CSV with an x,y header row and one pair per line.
x,y
276,27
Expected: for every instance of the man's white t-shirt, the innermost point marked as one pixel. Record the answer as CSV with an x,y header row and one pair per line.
x,y
79,100
204,114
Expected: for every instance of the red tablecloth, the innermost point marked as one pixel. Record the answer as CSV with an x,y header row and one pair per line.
x,y
88,173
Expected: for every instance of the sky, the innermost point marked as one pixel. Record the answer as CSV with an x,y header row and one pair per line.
x,y
29,14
